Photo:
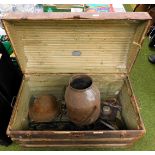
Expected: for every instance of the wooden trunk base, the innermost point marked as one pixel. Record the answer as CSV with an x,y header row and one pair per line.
x,y
79,146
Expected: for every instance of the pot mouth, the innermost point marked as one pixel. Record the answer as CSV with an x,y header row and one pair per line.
x,y
80,82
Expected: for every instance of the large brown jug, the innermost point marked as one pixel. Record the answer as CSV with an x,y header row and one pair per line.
x,y
82,100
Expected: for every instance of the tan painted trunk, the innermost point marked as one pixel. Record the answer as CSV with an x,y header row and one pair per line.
x,y
108,44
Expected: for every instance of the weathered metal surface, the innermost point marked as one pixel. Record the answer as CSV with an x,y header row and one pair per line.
x,y
97,141
84,16
72,142
115,145
77,134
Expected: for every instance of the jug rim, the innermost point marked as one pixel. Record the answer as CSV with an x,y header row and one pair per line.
x,y
80,76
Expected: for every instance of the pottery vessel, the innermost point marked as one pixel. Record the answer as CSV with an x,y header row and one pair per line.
x,y
82,100
44,109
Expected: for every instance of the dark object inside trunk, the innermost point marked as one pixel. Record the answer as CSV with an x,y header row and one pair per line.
x,y
10,80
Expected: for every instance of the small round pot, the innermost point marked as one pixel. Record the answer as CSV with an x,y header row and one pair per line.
x,y
82,100
44,109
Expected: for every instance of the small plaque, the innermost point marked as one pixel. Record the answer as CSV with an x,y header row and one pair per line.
x,y
76,53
